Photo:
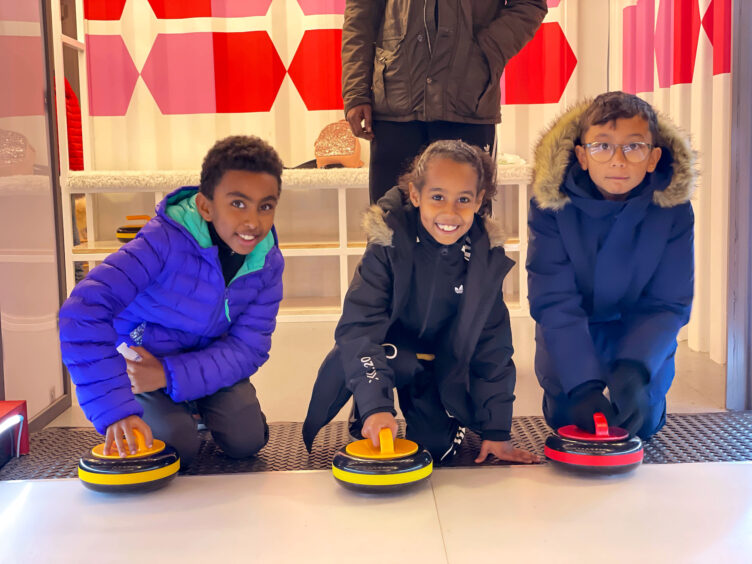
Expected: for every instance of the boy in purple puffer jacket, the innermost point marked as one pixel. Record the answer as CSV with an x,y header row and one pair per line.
x,y
196,295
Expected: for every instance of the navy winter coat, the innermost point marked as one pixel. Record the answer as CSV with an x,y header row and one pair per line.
x,y
165,289
474,368
609,280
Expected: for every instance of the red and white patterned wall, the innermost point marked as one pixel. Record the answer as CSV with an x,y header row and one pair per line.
x,y
235,72
270,67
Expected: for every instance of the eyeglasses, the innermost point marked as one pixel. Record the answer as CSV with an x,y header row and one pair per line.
x,y
633,152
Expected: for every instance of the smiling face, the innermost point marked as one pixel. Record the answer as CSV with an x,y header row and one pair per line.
x,y
448,199
617,177
242,209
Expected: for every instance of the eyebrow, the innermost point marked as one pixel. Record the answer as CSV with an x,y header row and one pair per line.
x,y
244,197
601,135
440,189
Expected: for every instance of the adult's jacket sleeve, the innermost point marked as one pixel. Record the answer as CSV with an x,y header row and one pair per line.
x,y
515,25
236,355
556,303
493,375
361,331
87,336
359,30
651,327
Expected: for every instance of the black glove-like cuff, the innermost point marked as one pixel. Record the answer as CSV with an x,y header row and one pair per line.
x,y
586,400
628,384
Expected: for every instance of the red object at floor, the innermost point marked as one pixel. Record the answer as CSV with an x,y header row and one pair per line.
x,y
7,410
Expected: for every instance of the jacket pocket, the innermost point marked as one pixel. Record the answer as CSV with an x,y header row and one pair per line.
x,y
478,95
391,79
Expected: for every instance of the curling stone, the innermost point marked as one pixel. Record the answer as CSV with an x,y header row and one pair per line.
x,y
127,233
394,465
610,450
149,469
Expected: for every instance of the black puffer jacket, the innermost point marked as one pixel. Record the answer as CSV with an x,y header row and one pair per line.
x,y
476,375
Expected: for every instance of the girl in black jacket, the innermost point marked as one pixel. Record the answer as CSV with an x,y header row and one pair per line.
x,y
425,314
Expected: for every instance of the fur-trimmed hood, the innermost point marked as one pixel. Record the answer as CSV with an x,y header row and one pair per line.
x,y
396,202
554,155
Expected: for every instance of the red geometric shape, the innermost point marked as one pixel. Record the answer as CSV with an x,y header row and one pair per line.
x,y
316,69
247,72
637,51
22,64
717,24
197,73
112,75
313,7
539,73
239,8
707,21
677,32
554,3
74,130
103,9
179,73
181,9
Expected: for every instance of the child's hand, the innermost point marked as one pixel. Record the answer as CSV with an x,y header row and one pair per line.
x,y
125,427
504,450
147,374
375,423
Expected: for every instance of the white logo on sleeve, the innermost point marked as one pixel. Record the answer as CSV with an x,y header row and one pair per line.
x,y
371,373
459,289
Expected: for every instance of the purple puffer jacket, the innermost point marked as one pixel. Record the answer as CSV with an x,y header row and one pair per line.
x,y
165,291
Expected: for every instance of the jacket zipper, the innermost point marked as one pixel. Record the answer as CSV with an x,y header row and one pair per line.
x,y
430,296
227,303
425,27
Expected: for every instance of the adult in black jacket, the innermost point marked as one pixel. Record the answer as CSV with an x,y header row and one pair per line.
x,y
425,314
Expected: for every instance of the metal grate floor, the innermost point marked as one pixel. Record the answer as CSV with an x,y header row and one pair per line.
x,y
706,437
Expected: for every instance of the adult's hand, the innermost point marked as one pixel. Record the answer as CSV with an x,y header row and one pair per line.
x,y
359,118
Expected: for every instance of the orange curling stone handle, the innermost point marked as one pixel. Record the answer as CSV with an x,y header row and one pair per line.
x,y
389,447
141,449
386,441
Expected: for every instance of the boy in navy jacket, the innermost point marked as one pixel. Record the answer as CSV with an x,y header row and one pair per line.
x,y
610,262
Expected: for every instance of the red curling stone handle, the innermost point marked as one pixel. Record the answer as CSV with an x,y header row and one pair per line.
x,y
601,425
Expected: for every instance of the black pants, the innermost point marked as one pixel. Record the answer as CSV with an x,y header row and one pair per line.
x,y
395,144
233,415
428,422
557,413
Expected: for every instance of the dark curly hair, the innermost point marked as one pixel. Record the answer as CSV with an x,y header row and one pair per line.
x,y
459,152
610,106
238,152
